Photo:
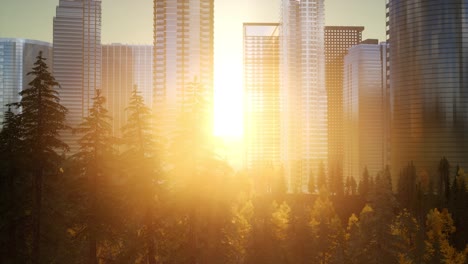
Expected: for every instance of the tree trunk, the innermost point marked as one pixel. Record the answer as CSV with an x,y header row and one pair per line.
x,y
37,209
11,254
92,225
150,236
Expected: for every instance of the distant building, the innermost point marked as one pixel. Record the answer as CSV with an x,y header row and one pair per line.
x,y
338,39
261,95
183,51
17,57
123,67
77,59
428,44
365,106
304,126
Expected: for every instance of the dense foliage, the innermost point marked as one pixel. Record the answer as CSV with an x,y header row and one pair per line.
x,y
152,198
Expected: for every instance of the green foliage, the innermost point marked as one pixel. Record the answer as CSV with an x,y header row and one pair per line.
x,y
405,230
364,184
321,177
327,232
407,192
41,119
444,178
237,233
15,205
311,183
439,228
336,181
184,205
96,158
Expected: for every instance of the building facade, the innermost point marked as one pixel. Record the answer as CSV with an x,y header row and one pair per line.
x,y
428,44
77,58
365,110
183,52
338,39
123,68
261,95
17,58
304,132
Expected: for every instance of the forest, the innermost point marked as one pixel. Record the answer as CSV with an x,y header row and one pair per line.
x,y
148,197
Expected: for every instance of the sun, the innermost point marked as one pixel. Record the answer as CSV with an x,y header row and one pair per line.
x,y
228,121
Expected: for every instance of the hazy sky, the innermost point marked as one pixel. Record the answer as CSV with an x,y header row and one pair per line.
x,y
130,21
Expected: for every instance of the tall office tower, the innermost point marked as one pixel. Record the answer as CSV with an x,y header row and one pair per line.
x,y
123,68
428,44
365,108
304,135
337,42
17,57
77,58
183,51
261,95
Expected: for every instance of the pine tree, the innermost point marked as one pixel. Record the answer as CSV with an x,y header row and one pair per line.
x,y
311,184
385,204
353,186
439,228
197,173
143,168
405,229
337,181
42,118
364,184
96,149
407,187
327,233
321,177
13,187
444,179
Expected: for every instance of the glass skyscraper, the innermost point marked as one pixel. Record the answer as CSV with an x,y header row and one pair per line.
x,y
261,95
428,42
338,39
77,58
304,133
365,105
183,51
123,67
17,57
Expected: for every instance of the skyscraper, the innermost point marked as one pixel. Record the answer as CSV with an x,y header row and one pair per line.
x,y
77,58
338,39
123,67
17,57
428,42
261,93
365,109
304,135
183,51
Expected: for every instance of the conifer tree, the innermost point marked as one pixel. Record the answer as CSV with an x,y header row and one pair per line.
x,y
444,180
42,118
321,177
96,149
353,186
12,187
327,233
197,176
407,187
364,184
439,228
311,183
142,168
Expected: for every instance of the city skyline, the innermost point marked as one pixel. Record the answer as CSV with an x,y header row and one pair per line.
x,y
119,26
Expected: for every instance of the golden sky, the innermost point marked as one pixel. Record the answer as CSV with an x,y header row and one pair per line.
x,y
130,21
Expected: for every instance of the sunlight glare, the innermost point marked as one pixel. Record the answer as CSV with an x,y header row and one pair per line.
x,y
228,100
